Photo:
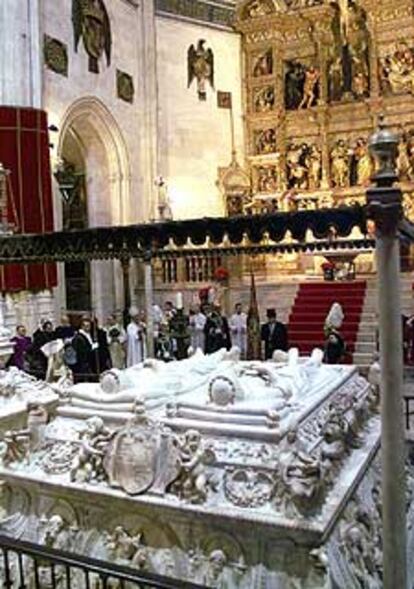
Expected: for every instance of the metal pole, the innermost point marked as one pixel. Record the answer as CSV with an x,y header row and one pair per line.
x,y
149,301
393,432
384,206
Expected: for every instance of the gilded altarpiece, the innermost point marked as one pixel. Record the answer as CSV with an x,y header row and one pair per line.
x,y
317,75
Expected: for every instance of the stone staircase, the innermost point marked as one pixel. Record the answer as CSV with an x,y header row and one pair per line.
x,y
367,334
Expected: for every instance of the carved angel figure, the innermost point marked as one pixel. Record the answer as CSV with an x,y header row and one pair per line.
x,y
127,549
91,22
88,464
193,481
200,63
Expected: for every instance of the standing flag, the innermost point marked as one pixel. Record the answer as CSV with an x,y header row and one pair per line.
x,y
254,342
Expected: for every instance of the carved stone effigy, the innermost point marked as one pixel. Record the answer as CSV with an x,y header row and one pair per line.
x,y
17,390
282,445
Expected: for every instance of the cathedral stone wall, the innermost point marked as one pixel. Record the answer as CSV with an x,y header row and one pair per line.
x,y
62,91
195,135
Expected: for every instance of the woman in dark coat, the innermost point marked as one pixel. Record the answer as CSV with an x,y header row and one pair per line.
x,y
217,332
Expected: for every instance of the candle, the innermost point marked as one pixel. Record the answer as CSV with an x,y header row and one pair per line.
x,y
179,303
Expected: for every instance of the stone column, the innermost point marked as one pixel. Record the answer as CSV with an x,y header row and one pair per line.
x,y
20,53
149,301
150,128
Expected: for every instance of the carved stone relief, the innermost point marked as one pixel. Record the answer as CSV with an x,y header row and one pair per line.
x,y
303,166
396,69
263,99
55,55
302,85
262,63
264,141
349,57
125,86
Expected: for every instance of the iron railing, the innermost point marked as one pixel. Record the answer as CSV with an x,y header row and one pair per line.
x,y
29,566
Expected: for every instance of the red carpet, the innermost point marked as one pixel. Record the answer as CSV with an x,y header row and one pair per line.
x,y
311,306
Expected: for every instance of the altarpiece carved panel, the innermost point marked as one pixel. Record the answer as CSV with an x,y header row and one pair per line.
x,y
314,88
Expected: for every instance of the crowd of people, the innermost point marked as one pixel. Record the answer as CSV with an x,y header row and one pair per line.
x,y
90,349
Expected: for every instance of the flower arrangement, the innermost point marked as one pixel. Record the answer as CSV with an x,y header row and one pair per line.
x,y
221,274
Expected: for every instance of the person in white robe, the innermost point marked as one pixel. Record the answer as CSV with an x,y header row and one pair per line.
x,y
238,329
197,322
116,337
136,331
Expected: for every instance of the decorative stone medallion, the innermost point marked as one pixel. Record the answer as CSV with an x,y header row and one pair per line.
x,y
55,55
125,86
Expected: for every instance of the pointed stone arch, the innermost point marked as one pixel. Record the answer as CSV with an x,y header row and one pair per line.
x,y
89,121
92,133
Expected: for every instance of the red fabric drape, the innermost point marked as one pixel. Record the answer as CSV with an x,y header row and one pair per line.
x,y
24,150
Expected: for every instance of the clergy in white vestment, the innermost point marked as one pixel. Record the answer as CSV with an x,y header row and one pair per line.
x,y
136,331
197,322
238,329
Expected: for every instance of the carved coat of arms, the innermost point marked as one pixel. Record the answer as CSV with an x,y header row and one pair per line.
x,y
200,63
91,23
130,461
142,458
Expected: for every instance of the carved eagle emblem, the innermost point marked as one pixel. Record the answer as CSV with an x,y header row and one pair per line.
x,y
91,23
200,63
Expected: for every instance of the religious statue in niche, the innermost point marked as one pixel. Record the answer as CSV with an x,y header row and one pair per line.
x,y
340,160
301,85
262,64
264,141
303,166
91,22
362,165
266,179
263,99
200,63
397,70
348,63
405,158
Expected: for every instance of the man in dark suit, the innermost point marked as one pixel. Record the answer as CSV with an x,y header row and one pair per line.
x,y
274,334
85,349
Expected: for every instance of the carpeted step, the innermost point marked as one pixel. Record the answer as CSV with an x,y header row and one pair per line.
x,y
322,308
311,306
296,325
319,334
306,316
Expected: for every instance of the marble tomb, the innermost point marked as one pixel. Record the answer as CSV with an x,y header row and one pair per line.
x,y
230,474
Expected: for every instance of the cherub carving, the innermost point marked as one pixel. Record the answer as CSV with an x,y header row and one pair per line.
x,y
14,446
88,464
193,481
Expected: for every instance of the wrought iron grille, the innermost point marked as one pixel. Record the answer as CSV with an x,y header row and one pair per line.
x,y
29,566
